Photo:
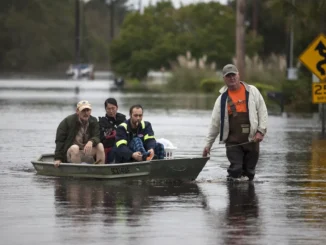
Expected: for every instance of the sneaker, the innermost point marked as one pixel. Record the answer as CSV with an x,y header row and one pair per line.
x,y
150,156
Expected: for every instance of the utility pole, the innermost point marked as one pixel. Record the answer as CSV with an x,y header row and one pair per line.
x,y
254,17
77,31
240,37
112,20
291,71
323,119
140,7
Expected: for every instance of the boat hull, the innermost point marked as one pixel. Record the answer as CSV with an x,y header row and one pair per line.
x,y
177,169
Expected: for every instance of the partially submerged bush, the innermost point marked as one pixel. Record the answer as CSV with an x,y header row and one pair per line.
x,y
187,80
211,85
189,72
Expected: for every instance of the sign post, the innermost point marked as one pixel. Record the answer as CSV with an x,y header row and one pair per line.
x,y
314,58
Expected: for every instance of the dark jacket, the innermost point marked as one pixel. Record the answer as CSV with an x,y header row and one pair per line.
x,y
108,126
66,134
125,135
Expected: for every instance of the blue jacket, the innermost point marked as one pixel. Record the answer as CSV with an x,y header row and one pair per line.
x,y
125,135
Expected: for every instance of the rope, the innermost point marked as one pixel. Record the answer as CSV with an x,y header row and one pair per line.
x,y
216,148
213,149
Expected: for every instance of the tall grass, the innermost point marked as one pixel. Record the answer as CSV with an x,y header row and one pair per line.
x,y
269,71
188,73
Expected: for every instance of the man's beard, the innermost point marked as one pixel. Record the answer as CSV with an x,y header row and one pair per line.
x,y
83,120
135,123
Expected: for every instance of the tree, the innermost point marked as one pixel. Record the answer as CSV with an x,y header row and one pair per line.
x,y
157,37
34,34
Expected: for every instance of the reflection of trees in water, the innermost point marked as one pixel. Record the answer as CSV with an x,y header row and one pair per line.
x,y
305,177
311,192
124,203
317,167
82,200
297,155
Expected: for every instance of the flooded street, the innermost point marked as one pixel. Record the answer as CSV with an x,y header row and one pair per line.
x,y
286,204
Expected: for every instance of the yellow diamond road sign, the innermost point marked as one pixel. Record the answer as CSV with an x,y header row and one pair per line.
x,y
314,57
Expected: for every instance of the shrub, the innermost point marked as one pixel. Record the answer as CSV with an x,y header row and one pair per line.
x,y
297,95
187,80
264,88
189,72
210,85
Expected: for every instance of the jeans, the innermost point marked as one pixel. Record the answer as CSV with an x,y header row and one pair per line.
x,y
136,144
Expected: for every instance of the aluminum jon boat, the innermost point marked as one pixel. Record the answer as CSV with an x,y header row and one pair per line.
x,y
175,169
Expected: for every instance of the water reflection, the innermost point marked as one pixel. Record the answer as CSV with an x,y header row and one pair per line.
x,y
305,178
313,190
289,207
317,166
81,201
173,101
72,96
242,213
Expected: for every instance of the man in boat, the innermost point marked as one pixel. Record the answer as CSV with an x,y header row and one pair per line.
x,y
77,139
108,125
239,118
135,140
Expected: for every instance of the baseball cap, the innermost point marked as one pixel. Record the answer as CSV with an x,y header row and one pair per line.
x,y
229,68
84,104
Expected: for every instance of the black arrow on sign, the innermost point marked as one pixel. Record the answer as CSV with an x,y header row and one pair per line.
x,y
322,52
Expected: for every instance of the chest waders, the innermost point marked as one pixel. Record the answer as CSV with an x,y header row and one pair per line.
x,y
243,158
239,125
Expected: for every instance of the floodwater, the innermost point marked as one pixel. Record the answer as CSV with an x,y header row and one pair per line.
x,y
286,204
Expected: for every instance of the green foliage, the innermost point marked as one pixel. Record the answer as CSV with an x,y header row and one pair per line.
x,y
134,85
38,34
264,89
155,39
211,85
98,27
254,44
132,82
297,95
185,79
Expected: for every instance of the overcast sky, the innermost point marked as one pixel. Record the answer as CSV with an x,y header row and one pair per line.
x,y
175,2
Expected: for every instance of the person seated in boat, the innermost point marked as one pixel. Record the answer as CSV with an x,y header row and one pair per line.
x,y
135,140
108,125
77,138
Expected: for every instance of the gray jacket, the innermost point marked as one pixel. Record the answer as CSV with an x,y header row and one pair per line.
x,y
220,120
